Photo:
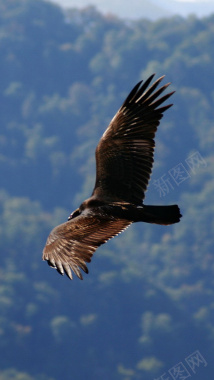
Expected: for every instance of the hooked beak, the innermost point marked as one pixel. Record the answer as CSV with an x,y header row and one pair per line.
x,y
74,214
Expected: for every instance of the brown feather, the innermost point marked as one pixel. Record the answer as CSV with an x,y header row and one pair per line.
x,y
73,243
124,155
124,159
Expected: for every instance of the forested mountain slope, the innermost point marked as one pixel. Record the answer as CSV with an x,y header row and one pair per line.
x,y
147,303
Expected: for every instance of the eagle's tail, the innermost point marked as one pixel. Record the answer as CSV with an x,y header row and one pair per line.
x,y
160,214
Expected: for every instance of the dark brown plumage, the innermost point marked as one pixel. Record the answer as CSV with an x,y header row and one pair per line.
x,y
124,159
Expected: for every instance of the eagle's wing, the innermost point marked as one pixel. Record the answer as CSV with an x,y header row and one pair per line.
x,y
70,245
124,155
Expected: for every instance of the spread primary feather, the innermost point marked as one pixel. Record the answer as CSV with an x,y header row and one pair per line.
x,y
124,159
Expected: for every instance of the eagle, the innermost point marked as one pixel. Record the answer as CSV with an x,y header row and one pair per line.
x,y
124,160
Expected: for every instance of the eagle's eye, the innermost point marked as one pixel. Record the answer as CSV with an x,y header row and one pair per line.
x,y
74,214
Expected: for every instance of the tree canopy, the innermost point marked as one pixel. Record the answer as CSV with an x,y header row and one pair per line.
x,y
147,303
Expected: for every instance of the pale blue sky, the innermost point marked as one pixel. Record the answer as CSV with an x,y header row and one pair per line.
x,y
145,8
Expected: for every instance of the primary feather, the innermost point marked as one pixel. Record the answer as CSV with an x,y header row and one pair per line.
x,y
124,160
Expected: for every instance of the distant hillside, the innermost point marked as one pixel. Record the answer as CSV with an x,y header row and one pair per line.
x,y
146,308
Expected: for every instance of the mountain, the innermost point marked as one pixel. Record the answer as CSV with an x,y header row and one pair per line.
x,y
145,310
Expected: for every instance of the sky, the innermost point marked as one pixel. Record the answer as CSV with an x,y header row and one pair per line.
x,y
152,9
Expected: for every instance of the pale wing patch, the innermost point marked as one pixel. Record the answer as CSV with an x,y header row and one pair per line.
x,y
72,244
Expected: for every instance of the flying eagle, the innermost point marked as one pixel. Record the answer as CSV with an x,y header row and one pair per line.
x,y
124,159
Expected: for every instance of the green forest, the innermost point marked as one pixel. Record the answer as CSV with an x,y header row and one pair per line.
x,y
146,308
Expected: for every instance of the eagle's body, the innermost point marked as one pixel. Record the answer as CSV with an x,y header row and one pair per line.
x,y
124,159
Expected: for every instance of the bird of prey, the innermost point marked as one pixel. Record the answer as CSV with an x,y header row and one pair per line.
x,y
124,160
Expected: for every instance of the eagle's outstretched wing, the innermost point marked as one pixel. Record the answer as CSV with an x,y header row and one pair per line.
x,y
124,155
124,158
70,245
